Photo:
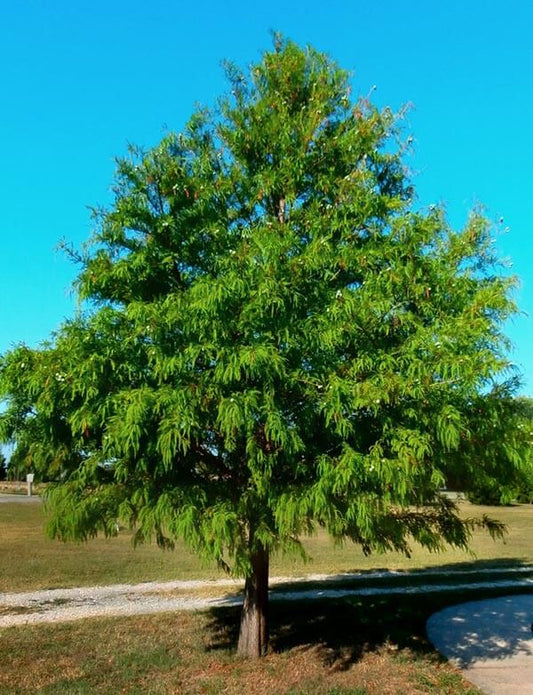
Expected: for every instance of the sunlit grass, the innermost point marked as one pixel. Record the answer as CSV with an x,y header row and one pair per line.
x,y
29,561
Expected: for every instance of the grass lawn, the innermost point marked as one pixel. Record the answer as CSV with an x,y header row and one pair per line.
x,y
346,647
351,646
29,561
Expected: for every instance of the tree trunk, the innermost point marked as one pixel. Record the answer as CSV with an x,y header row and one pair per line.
x,y
253,635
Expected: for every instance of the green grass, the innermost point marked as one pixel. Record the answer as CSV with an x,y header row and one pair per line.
x,y
35,562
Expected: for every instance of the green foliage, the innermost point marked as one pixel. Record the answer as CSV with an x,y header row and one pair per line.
x,y
501,483
274,338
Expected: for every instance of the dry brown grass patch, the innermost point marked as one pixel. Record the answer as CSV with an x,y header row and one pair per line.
x,y
189,654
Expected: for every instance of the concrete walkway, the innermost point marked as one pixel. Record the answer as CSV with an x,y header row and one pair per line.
x,y
491,641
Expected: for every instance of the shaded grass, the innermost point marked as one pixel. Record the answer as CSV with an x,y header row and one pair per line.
x,y
353,646
476,571
29,561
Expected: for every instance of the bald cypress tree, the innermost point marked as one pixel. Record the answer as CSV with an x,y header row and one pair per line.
x,y
274,340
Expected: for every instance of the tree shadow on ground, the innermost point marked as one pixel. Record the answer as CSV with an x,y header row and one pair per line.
x,y
341,630
468,566
458,573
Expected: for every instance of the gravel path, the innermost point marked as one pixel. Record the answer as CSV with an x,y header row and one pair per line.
x,y
20,499
55,605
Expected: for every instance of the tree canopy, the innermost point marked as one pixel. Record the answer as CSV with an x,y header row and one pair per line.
x,y
497,483
273,339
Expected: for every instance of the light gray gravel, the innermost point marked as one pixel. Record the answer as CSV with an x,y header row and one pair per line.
x,y
21,499
55,605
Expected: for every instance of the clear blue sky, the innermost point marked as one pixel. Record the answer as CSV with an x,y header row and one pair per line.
x,y
82,79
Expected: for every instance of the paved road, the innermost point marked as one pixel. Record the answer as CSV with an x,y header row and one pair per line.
x,y
23,499
491,641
